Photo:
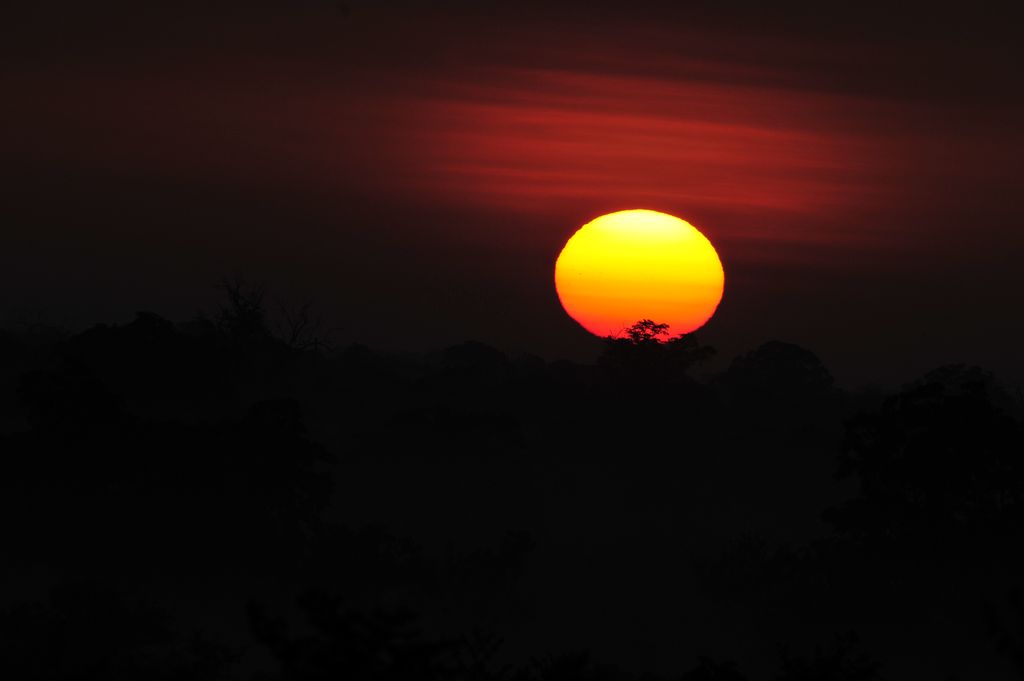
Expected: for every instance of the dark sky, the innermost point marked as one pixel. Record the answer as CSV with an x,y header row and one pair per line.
x,y
414,168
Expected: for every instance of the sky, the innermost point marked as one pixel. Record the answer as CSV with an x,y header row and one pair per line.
x,y
413,169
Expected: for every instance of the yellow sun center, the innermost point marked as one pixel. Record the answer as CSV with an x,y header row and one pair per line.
x,y
639,264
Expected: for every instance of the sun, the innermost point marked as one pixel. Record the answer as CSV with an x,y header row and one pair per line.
x,y
639,264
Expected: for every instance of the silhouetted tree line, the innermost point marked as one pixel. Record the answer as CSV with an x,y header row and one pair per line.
x,y
235,497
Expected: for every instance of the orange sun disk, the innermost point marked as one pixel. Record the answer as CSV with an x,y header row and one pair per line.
x,y
639,264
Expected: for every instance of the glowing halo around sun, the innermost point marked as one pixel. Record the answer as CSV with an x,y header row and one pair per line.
x,y
631,265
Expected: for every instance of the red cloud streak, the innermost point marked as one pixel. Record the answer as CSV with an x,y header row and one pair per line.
x,y
537,137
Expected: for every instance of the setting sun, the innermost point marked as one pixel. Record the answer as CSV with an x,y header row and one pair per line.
x,y
639,264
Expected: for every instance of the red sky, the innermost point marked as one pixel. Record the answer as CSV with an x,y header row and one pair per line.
x,y
415,169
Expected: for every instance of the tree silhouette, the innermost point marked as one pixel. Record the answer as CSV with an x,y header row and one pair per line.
x,y
242,317
301,329
938,463
646,331
644,352
777,376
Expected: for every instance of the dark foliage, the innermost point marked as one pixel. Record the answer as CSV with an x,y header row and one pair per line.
x,y
233,498
86,632
708,669
643,353
940,463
